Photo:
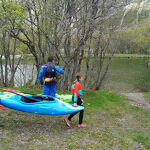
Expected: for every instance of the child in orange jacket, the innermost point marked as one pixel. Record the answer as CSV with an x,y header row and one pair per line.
x,y
76,90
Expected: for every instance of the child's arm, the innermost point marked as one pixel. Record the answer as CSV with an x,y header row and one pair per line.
x,y
75,98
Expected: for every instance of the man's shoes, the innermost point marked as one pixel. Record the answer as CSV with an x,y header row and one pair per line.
x,y
67,122
83,124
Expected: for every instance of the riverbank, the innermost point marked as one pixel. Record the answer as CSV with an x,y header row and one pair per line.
x,y
112,124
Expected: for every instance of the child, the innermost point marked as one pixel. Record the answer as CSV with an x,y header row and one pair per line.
x,y
76,90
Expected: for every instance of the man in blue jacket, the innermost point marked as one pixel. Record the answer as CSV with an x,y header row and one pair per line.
x,y
48,77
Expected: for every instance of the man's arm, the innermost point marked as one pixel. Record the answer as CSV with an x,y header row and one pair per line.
x,y
41,74
59,70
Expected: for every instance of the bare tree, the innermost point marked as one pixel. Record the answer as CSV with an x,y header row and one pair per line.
x,y
8,62
77,32
88,22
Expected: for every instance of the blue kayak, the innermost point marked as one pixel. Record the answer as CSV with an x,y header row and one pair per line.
x,y
37,104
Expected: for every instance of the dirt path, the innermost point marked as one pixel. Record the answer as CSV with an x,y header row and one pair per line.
x,y
137,99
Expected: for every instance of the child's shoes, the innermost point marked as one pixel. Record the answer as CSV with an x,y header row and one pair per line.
x,y
67,122
83,124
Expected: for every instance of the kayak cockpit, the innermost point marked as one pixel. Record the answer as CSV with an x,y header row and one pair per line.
x,y
35,99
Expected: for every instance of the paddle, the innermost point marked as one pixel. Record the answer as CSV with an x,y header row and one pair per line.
x,y
20,95
39,96
17,91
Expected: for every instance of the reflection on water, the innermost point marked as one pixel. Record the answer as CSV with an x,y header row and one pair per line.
x,y
24,74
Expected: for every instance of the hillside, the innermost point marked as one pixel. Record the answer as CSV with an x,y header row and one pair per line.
x,y
134,13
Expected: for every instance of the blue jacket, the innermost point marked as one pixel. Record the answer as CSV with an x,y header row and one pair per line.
x,y
43,69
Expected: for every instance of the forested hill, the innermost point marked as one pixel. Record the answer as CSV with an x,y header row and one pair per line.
x,y
133,28
134,13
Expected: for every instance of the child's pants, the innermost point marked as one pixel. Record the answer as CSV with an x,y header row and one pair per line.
x,y
79,102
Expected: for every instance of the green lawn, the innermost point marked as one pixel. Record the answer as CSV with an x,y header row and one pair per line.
x,y
132,55
112,124
128,75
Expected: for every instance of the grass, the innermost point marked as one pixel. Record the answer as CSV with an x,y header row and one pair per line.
x,y
132,55
147,96
112,124
128,75
142,139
